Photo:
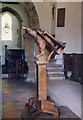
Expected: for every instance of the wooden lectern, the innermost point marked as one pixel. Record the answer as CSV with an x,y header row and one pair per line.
x,y
41,104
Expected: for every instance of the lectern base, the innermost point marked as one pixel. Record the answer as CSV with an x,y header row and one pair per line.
x,y
35,107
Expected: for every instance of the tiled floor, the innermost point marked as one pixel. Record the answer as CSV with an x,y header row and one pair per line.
x,y
14,96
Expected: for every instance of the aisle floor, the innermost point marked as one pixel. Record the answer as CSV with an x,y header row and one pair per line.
x,y
15,93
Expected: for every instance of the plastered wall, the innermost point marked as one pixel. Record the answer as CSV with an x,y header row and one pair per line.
x,y
44,13
71,33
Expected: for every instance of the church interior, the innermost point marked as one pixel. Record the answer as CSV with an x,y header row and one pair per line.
x,y
18,68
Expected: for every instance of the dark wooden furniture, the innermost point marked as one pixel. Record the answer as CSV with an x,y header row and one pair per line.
x,y
67,64
17,65
73,63
42,104
16,69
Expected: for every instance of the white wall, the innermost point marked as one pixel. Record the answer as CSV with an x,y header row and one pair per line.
x,y
71,33
44,14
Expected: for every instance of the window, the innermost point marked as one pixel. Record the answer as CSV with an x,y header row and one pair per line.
x,y
6,27
61,17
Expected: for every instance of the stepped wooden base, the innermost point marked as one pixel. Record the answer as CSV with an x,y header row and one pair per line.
x,y
35,107
49,107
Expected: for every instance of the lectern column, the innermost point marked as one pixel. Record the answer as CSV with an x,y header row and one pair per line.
x,y
42,85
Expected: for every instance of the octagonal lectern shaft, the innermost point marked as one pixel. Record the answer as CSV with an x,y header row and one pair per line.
x,y
42,82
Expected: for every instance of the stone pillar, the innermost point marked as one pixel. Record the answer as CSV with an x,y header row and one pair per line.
x,y
20,35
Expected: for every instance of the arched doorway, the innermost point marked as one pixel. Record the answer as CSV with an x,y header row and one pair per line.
x,y
32,15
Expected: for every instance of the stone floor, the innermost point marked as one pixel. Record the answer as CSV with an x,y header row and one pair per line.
x,y
65,114
15,93
66,93
14,96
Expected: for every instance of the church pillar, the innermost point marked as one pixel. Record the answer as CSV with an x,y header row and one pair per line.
x,y
20,35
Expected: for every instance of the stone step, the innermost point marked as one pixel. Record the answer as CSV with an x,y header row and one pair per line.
x,y
55,78
55,73
54,69
54,65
